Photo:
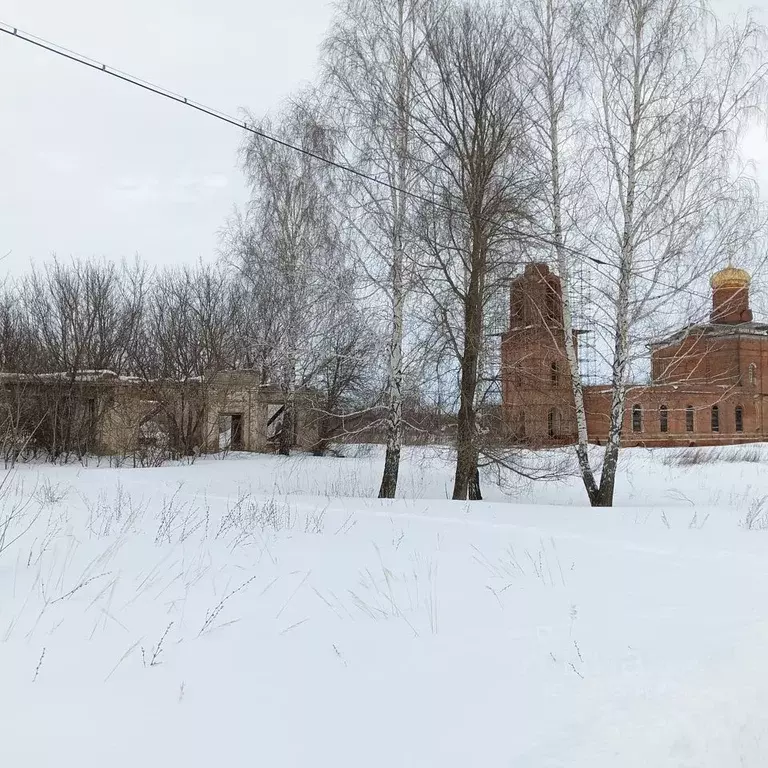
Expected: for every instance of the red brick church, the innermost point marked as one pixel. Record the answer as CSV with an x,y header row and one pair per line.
x,y
708,385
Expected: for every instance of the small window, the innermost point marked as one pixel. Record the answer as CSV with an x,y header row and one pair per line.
x,y
739,419
554,374
553,423
752,374
663,419
715,419
689,419
637,418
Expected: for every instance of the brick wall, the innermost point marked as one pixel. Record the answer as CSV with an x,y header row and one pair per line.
x,y
704,369
536,389
685,407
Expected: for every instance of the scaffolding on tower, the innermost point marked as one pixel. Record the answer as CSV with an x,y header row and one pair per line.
x,y
582,300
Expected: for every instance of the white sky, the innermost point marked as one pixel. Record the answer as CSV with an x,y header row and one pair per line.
x,y
91,166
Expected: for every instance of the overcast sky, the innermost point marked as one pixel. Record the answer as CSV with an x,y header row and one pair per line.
x,y
91,166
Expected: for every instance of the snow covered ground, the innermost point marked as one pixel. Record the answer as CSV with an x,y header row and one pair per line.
x,y
265,611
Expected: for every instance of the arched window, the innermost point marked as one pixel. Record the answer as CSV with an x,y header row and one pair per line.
x,y
689,418
637,418
715,419
554,374
553,423
752,374
739,420
663,419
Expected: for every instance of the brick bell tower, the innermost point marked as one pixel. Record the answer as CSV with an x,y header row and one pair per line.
x,y
730,296
536,389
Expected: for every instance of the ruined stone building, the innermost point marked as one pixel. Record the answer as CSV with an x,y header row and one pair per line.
x,y
99,412
709,381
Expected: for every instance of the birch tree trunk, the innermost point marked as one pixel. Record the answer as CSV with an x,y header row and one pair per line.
x,y
388,487
371,56
556,65
391,471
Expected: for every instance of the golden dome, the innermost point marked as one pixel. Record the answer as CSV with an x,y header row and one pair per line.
x,y
730,277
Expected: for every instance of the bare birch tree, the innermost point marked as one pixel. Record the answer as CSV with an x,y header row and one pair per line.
x,y
555,63
669,94
371,57
288,246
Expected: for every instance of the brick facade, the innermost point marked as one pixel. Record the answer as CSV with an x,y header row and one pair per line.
x,y
536,389
708,382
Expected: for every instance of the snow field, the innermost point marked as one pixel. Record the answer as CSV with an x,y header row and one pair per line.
x,y
263,611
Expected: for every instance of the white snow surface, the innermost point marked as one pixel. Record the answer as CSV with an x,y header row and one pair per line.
x,y
263,611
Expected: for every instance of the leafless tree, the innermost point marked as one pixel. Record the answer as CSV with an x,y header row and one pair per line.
x,y
85,314
187,338
555,61
19,350
474,130
638,106
82,316
371,57
288,245
345,377
669,95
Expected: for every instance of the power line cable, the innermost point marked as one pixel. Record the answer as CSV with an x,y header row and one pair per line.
x,y
158,90
79,58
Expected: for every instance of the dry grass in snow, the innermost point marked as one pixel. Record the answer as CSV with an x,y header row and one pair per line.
x,y
259,610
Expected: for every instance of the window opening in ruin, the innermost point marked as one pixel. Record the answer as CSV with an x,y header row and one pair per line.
x,y
637,418
231,432
715,419
275,414
236,439
752,373
554,374
553,425
689,419
663,419
739,419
